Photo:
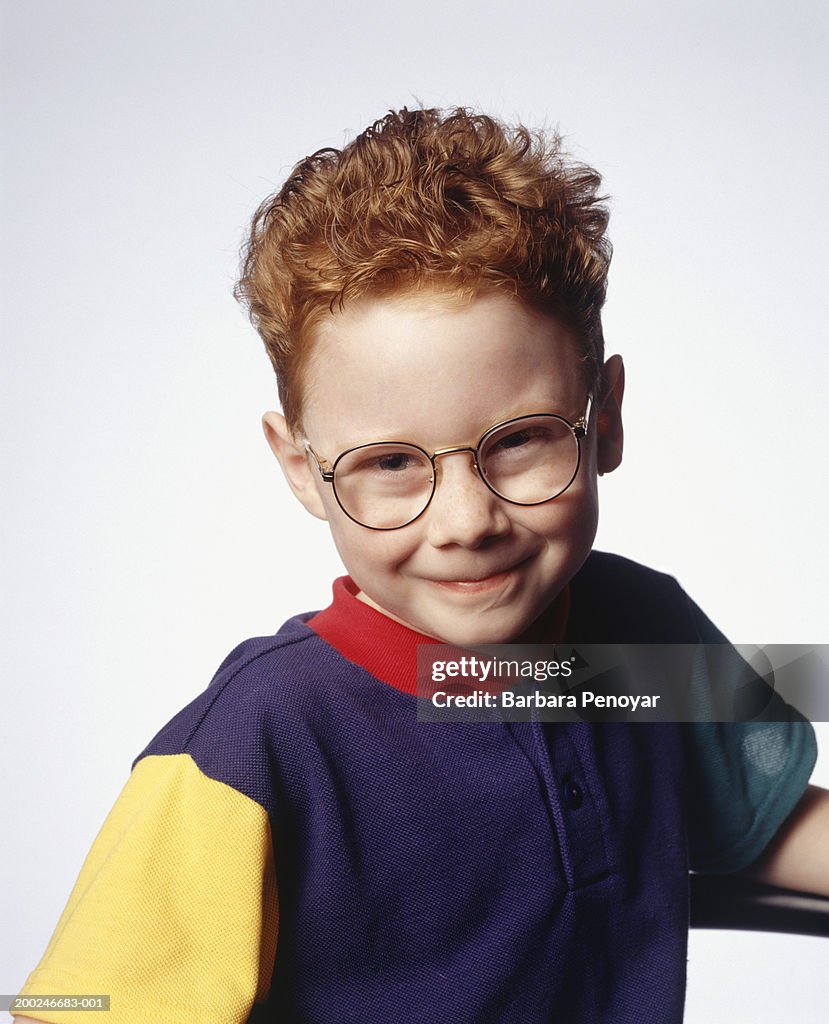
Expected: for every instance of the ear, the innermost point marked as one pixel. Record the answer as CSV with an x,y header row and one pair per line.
x,y
610,436
295,463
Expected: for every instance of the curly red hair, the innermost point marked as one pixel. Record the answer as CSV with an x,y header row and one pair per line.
x,y
425,198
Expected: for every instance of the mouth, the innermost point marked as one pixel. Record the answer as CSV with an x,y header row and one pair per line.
x,y
474,584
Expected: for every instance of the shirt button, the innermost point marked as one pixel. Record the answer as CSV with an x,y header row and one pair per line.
x,y
573,795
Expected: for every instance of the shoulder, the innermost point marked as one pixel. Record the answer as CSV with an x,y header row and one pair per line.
x,y
617,600
249,677
615,570
252,707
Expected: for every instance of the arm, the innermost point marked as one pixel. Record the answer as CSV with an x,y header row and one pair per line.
x,y
798,856
175,908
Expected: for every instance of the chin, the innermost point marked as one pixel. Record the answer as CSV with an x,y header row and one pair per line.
x,y
478,633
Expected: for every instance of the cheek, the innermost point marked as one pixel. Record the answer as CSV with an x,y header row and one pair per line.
x,y
571,518
369,551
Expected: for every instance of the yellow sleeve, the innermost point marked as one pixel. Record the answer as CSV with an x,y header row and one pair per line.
x,y
174,914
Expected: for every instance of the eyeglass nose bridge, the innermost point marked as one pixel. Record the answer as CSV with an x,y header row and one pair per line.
x,y
456,450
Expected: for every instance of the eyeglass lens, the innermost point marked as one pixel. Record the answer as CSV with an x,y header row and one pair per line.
x,y
526,461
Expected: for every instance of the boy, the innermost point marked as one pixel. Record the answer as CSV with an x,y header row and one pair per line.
x,y
295,845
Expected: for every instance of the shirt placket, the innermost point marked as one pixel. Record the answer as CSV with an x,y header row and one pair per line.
x,y
576,799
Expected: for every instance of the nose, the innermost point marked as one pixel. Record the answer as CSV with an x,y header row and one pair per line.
x,y
463,510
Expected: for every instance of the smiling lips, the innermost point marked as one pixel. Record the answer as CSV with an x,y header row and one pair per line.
x,y
479,583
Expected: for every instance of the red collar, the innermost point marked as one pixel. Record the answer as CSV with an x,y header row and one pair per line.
x,y
383,647
387,649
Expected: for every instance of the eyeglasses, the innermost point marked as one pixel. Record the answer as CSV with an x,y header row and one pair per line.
x,y
385,485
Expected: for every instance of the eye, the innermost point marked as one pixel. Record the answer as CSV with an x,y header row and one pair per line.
x,y
513,440
395,462
518,439
383,462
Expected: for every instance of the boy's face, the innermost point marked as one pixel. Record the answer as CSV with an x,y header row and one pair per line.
x,y
438,371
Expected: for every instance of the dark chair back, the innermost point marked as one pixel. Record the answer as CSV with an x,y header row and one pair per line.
x,y
728,901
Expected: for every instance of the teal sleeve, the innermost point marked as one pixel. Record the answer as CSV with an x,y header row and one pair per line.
x,y
745,778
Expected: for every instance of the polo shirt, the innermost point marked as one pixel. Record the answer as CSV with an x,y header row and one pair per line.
x,y
295,845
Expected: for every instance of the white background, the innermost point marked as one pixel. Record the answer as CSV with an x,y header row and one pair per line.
x,y
145,530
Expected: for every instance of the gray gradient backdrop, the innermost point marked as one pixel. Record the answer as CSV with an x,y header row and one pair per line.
x,y
145,529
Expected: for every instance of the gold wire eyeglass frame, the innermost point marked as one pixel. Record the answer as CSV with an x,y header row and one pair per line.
x,y
328,470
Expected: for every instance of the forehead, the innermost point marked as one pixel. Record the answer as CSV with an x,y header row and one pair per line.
x,y
435,368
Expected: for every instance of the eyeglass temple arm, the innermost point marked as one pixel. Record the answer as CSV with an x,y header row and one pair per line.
x,y
326,474
580,426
